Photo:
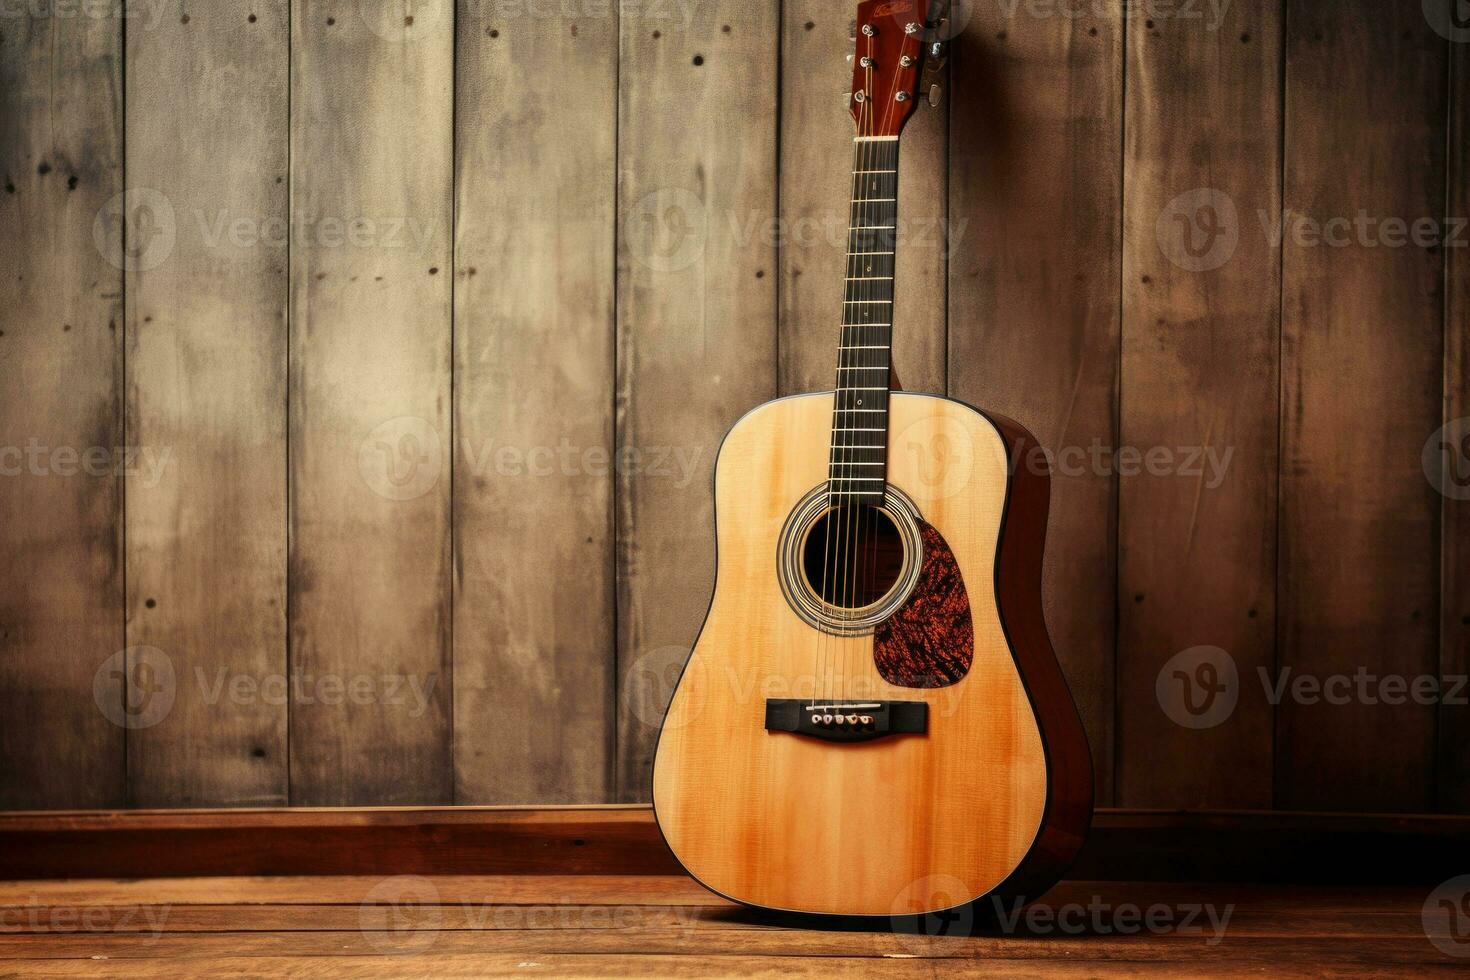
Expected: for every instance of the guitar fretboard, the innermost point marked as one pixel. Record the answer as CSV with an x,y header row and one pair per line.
x,y
859,455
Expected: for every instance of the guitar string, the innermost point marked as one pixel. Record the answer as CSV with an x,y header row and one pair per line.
x,y
856,576
854,513
887,201
825,644
876,211
855,359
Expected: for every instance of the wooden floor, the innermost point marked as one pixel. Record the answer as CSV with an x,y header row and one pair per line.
x,y
592,926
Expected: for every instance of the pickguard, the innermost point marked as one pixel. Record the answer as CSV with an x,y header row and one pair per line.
x,y
929,641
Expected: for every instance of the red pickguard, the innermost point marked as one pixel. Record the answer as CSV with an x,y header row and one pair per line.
x,y
929,641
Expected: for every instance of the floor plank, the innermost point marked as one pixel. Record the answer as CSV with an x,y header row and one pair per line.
x,y
669,926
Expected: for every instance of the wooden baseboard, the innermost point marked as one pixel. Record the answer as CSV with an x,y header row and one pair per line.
x,y
1150,845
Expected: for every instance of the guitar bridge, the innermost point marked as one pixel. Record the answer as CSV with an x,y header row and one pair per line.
x,y
846,721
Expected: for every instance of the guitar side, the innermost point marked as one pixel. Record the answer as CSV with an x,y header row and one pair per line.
x,y
994,797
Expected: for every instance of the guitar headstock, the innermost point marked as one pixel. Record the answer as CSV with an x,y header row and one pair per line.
x,y
891,35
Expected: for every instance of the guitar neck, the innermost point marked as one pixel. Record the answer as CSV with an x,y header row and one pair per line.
x,y
859,452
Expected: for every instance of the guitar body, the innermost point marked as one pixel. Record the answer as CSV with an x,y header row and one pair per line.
x,y
981,782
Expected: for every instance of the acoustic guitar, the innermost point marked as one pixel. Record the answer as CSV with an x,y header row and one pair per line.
x,y
872,721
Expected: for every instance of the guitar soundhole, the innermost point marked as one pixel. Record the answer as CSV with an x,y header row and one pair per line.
x,y
846,569
853,556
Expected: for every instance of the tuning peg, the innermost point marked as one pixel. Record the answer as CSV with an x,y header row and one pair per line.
x,y
933,80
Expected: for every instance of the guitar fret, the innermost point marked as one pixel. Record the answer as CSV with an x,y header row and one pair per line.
x,y
869,282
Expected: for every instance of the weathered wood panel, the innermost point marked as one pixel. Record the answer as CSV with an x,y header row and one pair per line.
x,y
61,232
372,194
1362,374
1201,325
815,187
1452,452
533,626
696,321
1035,152
206,360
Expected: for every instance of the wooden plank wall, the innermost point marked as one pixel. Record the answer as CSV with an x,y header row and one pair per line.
x,y
61,391
1454,648
533,389
424,321
1201,304
1362,374
372,95
206,360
